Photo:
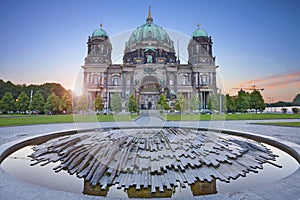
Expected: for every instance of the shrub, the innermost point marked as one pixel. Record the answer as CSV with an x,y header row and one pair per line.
x,y
295,110
284,110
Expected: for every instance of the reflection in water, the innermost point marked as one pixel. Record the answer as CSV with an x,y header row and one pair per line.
x,y
94,190
198,188
204,188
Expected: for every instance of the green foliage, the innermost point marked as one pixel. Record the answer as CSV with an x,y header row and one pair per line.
x,y
214,102
284,110
230,103
242,101
132,104
194,103
296,100
116,103
98,103
52,104
81,104
295,110
66,103
257,101
46,89
162,103
22,102
7,103
180,103
37,103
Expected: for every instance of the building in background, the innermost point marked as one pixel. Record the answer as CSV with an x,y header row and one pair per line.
x,y
150,67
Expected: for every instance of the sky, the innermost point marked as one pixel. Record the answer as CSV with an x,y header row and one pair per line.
x,y
256,42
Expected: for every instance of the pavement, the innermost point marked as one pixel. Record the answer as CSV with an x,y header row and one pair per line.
x,y
286,188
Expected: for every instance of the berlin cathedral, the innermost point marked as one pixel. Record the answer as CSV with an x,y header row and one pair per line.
x,y
150,67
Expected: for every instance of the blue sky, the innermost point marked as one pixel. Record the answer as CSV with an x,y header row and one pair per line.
x,y
255,41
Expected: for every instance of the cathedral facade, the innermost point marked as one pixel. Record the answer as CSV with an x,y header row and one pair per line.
x,y
150,67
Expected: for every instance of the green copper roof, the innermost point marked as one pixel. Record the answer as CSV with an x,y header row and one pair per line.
x,y
200,33
148,32
99,33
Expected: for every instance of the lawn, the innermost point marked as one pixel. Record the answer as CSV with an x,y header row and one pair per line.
x,y
12,120
15,120
252,116
291,124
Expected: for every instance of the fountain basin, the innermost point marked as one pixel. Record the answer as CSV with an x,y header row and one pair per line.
x,y
36,140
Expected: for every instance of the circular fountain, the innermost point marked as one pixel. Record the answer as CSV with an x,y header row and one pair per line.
x,y
154,162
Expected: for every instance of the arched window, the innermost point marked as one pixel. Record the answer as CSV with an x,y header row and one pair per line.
x,y
97,49
115,80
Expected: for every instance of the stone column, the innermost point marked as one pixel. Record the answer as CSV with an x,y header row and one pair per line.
x,y
215,79
201,100
175,83
167,80
200,78
123,85
131,83
189,98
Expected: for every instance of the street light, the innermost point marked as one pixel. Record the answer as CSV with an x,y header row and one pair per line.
x,y
221,109
270,100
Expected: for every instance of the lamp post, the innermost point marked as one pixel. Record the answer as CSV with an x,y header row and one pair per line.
x,y
221,109
270,100
107,93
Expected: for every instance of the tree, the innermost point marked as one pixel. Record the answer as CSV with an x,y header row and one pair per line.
x,y
98,104
46,89
194,103
66,103
7,103
37,103
81,104
242,101
162,102
295,110
52,104
180,103
132,104
116,103
22,102
214,102
257,101
230,103
296,101
284,110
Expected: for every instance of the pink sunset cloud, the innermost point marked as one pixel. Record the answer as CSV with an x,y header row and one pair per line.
x,y
283,86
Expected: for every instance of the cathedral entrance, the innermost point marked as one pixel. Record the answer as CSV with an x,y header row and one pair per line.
x,y
149,93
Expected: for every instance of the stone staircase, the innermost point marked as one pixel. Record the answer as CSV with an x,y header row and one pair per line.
x,y
149,112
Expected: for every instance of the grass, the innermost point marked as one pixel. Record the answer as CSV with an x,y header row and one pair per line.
x,y
260,116
49,119
289,124
13,120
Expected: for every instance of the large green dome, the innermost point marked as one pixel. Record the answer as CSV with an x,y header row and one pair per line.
x,y
200,33
148,32
149,35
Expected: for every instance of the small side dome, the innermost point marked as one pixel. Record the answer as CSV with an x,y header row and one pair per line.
x,y
100,33
199,32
